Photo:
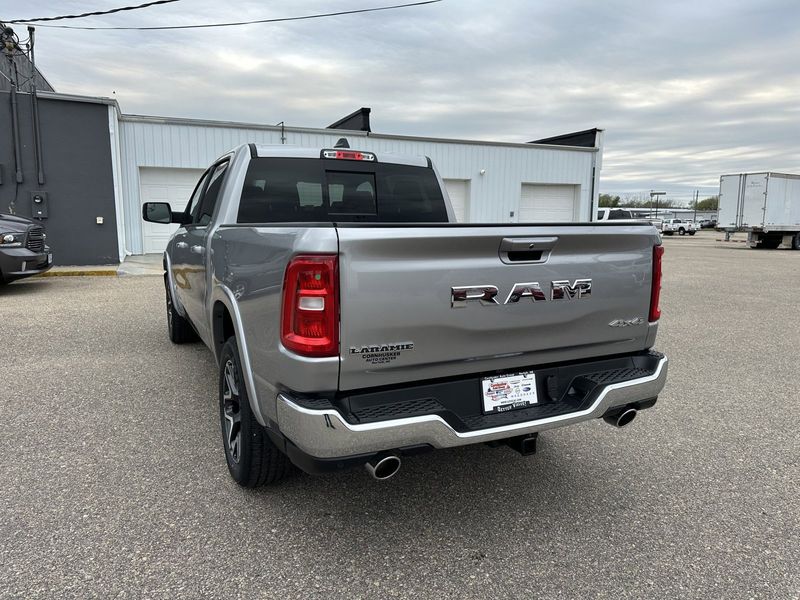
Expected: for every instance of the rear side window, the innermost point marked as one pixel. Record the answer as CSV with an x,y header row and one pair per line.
x,y
285,190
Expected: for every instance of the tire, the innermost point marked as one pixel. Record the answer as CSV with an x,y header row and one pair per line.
x,y
253,460
796,242
669,232
770,243
681,231
179,329
692,232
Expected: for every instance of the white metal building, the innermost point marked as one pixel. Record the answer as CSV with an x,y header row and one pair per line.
x,y
162,159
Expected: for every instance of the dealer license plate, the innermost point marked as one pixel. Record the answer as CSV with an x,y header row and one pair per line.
x,y
508,392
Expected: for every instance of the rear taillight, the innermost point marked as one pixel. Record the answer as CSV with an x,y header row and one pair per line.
x,y
310,312
655,292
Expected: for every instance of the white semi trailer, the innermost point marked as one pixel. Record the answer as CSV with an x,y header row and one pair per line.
x,y
765,205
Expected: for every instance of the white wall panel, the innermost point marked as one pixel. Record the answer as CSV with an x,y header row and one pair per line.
x,y
494,196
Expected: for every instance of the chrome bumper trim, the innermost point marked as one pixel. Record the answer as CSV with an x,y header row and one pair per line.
x,y
325,434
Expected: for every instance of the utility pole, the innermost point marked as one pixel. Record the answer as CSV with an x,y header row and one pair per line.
x,y
696,198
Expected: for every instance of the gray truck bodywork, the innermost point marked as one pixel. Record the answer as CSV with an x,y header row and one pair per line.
x,y
396,293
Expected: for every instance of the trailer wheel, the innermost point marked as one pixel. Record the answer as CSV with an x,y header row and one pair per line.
x,y
796,242
770,242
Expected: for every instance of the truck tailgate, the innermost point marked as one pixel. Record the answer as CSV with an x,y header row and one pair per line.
x,y
399,322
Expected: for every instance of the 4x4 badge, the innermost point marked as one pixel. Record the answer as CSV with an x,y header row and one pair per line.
x,y
626,322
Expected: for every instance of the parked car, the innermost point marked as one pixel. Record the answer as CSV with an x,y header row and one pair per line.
x,y
23,251
707,223
354,322
679,226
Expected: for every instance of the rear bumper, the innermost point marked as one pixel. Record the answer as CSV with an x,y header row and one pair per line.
x,y
324,433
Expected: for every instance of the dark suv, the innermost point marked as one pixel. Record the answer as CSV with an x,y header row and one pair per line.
x,y
23,251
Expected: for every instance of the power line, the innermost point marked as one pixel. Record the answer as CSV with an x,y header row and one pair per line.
x,y
93,14
237,23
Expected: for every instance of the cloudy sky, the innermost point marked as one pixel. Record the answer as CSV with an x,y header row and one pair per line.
x,y
686,90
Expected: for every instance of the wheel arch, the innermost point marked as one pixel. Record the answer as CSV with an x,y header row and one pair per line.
x,y
222,326
226,321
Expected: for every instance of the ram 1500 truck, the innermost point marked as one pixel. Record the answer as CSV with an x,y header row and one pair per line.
x,y
354,322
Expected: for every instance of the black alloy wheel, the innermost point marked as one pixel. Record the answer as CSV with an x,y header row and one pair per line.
x,y
253,460
231,412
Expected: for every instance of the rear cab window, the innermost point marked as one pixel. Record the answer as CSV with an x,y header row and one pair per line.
x,y
316,190
620,214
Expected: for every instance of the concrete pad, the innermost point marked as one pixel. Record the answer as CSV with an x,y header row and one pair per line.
x,y
145,264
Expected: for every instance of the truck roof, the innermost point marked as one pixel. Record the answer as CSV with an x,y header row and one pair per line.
x,y
289,151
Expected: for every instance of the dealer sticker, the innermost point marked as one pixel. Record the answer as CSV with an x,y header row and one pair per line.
x,y
508,392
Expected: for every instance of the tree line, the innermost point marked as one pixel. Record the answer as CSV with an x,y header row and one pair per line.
x,y
643,200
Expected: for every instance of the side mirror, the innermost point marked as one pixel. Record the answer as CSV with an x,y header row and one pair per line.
x,y
160,212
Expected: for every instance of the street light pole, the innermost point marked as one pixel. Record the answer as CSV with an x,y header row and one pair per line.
x,y
656,194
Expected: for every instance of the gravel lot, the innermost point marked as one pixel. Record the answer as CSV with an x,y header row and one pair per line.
x,y
114,482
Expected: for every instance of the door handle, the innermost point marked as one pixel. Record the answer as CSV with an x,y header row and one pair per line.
x,y
181,245
197,249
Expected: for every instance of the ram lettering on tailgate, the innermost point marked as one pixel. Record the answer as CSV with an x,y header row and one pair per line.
x,y
486,294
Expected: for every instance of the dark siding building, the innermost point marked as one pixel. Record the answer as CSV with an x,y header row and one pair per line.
x,y
77,178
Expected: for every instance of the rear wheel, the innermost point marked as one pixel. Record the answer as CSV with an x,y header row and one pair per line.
x,y
253,460
796,242
691,233
179,329
681,231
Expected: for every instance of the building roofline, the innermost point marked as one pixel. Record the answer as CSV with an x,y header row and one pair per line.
x,y
315,130
77,98
340,132
556,140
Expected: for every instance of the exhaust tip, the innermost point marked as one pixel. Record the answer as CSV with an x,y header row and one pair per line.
x,y
383,469
621,419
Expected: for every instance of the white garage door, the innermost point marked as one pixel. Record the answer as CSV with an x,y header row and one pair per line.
x,y
164,185
458,190
548,203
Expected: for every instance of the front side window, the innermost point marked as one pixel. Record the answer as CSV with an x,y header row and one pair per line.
x,y
205,208
194,201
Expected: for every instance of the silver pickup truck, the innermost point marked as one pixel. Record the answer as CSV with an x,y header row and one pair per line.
x,y
354,322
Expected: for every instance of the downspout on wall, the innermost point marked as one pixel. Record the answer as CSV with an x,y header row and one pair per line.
x,y
116,162
597,166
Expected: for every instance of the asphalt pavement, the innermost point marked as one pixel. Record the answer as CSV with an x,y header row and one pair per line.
x,y
113,482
